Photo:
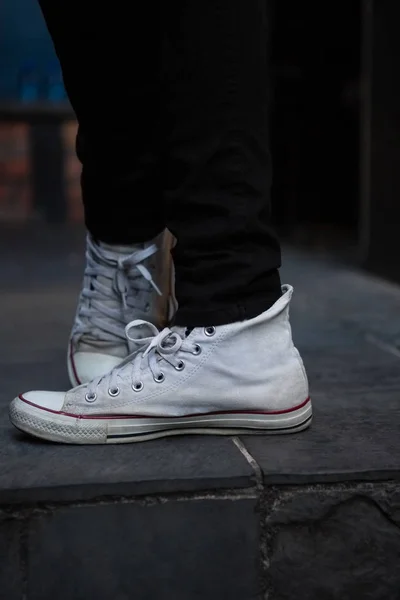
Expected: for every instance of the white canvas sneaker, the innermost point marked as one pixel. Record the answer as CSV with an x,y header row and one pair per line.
x,y
245,377
121,283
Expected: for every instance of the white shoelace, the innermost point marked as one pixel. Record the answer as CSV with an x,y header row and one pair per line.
x,y
162,346
130,281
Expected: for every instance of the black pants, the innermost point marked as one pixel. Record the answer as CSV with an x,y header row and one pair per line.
x,y
171,100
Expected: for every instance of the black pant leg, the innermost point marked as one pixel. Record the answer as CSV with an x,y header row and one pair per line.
x,y
218,168
110,55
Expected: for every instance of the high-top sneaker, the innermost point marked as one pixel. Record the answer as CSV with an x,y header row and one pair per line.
x,y
245,377
120,283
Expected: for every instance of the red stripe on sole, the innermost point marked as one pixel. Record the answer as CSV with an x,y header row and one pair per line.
x,y
224,412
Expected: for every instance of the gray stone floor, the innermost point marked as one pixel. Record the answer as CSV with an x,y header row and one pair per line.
x,y
313,515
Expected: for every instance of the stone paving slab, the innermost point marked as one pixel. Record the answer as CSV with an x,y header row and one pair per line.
x,y
336,542
355,436
35,472
171,550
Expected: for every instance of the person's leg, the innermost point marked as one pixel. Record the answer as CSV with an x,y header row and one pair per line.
x,y
219,167
111,68
229,365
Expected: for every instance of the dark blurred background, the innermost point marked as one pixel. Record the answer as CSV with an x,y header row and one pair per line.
x,y
334,127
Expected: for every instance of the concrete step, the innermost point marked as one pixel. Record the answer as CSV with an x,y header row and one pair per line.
x,y
312,516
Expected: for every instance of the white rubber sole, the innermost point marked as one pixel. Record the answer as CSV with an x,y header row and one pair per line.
x,y
75,429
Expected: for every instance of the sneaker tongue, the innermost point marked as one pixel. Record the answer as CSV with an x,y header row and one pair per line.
x,y
113,252
120,249
116,251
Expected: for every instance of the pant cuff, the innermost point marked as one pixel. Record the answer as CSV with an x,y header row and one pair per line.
x,y
187,317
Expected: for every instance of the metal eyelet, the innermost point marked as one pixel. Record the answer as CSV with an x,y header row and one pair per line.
x,y
180,366
160,378
138,386
91,397
196,349
209,331
113,391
